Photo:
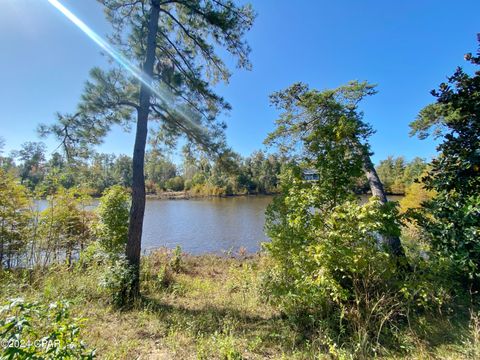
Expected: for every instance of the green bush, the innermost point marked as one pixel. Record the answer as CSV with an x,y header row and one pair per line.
x,y
176,260
113,217
37,331
328,273
64,226
117,279
15,219
94,254
175,184
451,224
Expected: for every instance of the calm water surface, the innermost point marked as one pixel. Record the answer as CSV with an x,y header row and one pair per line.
x,y
214,225
206,225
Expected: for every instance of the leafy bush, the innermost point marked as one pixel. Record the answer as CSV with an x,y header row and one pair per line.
x,y
15,218
175,184
176,260
94,254
334,268
36,331
117,279
64,226
451,223
329,273
113,214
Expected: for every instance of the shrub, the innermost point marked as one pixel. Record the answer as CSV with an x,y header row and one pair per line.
x,y
94,254
329,274
415,196
117,278
64,226
451,223
176,260
176,183
36,331
113,215
15,219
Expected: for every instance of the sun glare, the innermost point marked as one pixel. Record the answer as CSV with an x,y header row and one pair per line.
x,y
165,95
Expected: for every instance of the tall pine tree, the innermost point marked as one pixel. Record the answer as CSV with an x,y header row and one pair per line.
x,y
176,44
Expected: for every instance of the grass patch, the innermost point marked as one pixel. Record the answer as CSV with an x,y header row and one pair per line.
x,y
211,308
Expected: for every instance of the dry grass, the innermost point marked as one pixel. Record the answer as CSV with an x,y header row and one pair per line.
x,y
209,309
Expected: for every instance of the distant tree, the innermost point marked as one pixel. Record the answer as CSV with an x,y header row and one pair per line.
x,y
58,173
122,170
158,169
32,162
261,172
414,170
6,162
396,174
391,172
453,215
102,167
176,183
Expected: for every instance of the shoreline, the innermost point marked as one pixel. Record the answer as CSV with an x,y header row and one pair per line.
x,y
185,195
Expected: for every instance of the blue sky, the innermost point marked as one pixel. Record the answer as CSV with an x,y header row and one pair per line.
x,y
406,47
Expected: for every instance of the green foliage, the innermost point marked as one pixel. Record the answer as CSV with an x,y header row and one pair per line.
x,y
158,170
328,273
64,226
231,174
228,174
397,175
213,308
324,131
452,224
415,196
176,260
451,219
330,269
322,259
175,184
117,280
113,214
32,159
36,331
15,218
93,255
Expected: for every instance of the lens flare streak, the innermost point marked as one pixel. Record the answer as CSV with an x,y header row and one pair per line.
x,y
166,98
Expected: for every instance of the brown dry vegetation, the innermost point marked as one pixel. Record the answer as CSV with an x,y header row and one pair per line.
x,y
211,308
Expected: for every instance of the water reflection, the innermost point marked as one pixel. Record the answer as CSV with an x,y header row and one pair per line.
x,y
214,225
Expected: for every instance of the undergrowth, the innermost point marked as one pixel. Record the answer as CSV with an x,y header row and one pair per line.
x,y
211,307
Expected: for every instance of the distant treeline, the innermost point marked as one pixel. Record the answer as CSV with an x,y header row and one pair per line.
x,y
397,174
229,174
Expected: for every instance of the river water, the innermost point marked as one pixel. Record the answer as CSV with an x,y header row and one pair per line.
x,y
206,225
213,225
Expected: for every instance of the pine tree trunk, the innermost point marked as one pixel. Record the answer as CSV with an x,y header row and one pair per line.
x,y
392,243
137,210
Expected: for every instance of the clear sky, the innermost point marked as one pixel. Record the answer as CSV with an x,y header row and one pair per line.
x,y
407,47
